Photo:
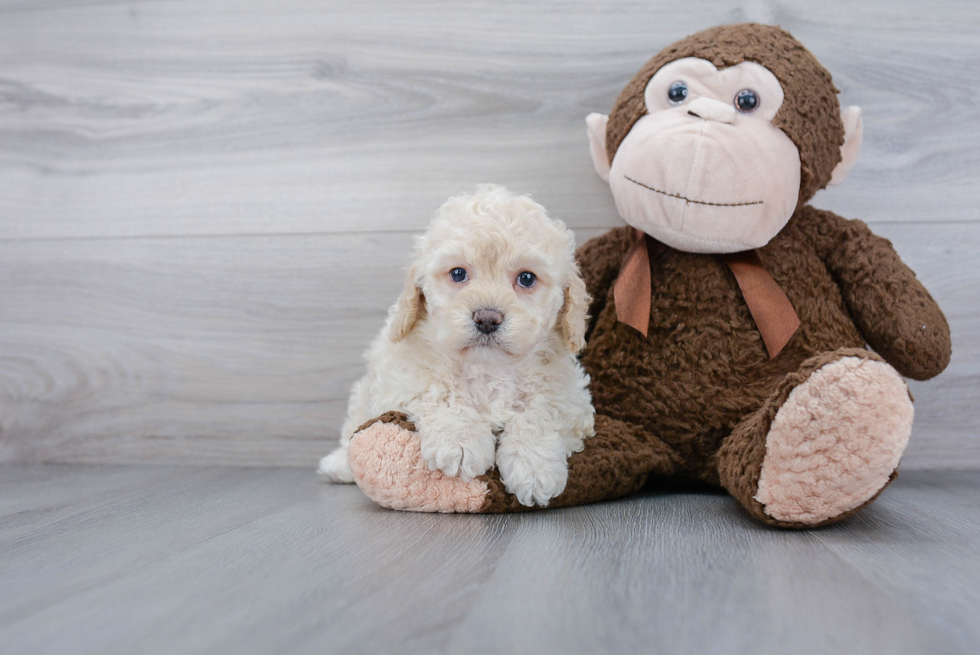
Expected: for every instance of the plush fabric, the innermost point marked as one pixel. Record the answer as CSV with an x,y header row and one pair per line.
x,y
810,113
387,465
386,460
711,161
842,433
703,366
771,310
743,455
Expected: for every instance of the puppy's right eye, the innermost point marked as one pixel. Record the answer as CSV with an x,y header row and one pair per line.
x,y
458,275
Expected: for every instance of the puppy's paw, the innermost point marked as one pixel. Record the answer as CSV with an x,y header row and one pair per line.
x,y
479,453
465,455
335,467
533,476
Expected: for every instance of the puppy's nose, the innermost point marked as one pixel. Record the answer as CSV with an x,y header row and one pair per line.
x,y
487,320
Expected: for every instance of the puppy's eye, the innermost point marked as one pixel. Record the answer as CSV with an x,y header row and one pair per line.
x,y
527,279
458,275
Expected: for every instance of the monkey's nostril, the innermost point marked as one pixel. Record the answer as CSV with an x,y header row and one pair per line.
x,y
487,320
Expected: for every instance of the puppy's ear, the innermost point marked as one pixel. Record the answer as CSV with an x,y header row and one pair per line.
x,y
409,309
572,319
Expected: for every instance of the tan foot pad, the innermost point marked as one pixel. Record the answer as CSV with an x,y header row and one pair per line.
x,y
387,465
835,442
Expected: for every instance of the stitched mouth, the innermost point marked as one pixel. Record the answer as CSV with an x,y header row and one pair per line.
x,y
695,202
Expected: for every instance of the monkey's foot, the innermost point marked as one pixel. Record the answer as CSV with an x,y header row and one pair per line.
x,y
386,462
835,443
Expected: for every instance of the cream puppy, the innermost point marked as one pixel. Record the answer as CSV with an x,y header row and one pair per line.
x,y
479,350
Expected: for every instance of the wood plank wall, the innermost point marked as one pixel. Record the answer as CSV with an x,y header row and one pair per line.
x,y
206,207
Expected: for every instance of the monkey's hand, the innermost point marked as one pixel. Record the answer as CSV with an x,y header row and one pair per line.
x,y
893,310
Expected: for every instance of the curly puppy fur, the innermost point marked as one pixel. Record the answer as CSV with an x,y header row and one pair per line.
x,y
466,389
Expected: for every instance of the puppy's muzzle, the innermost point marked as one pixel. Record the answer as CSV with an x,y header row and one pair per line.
x,y
487,320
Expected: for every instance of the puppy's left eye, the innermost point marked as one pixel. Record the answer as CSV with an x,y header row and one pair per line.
x,y
527,279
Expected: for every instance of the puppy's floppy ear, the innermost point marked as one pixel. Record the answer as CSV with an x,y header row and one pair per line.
x,y
572,318
410,307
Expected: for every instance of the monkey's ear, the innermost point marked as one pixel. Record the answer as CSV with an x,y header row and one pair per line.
x,y
597,143
853,132
573,318
409,309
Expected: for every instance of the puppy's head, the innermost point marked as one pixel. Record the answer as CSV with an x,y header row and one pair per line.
x,y
492,278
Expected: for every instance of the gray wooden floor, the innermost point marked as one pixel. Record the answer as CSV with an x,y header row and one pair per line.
x,y
128,559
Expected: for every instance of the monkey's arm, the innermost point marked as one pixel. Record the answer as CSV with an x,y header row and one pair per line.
x,y
893,310
599,260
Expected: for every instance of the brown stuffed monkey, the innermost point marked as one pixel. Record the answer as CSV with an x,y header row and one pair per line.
x,y
730,320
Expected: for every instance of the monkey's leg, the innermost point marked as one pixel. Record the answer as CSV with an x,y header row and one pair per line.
x,y
823,445
387,465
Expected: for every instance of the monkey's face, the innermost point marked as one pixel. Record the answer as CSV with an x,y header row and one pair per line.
x,y
706,170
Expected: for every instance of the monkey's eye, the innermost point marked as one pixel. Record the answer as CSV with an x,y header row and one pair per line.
x,y
458,275
747,101
677,93
527,279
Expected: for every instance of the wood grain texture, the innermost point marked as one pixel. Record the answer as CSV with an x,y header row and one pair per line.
x,y
242,349
205,208
220,560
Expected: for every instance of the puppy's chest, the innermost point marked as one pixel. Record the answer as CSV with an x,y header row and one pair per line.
x,y
492,391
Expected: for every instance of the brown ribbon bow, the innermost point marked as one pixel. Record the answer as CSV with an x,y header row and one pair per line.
x,y
770,308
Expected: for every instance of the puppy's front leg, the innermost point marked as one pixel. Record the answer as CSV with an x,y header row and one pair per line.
x,y
532,458
456,441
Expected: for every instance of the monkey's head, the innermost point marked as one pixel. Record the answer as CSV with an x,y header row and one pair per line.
x,y
717,141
